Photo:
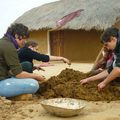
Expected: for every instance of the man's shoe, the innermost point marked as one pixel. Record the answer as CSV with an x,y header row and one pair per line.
x,y
23,97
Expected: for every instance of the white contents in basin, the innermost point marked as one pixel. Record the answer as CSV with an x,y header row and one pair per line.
x,y
71,104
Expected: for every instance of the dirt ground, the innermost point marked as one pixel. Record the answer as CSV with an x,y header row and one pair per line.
x,y
32,110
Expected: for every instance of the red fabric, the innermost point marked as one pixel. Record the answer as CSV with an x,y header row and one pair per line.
x,y
68,18
107,57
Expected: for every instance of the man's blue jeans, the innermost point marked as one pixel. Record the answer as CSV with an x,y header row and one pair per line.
x,y
13,86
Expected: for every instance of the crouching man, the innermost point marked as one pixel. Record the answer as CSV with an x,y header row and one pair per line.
x,y
13,80
111,40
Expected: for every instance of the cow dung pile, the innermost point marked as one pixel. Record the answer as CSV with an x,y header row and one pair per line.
x,y
67,84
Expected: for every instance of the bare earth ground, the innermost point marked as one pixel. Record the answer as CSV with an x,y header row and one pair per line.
x,y
32,110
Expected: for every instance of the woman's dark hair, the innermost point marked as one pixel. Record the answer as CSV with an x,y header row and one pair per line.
x,y
109,32
31,43
19,29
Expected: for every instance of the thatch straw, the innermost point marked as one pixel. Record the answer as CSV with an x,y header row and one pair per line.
x,y
97,14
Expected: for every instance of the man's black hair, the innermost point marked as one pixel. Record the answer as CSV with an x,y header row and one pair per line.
x,y
19,29
109,32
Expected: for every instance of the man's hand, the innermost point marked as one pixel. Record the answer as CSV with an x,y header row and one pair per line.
x,y
84,81
40,78
101,86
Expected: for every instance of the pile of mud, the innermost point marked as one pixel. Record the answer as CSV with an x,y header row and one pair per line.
x,y
67,84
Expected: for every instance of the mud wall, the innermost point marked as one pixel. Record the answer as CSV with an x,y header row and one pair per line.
x,y
41,38
82,46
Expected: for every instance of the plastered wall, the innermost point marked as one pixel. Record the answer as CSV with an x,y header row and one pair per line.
x,y
82,46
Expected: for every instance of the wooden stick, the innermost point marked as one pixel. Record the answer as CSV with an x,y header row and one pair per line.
x,y
98,57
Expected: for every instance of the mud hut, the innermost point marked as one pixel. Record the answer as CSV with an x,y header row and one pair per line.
x,y
78,39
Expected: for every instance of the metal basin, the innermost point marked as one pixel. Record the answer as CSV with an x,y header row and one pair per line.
x,y
64,107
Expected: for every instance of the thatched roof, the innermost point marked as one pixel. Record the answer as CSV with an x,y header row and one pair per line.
x,y
97,14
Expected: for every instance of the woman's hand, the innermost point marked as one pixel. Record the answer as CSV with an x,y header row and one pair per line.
x,y
65,60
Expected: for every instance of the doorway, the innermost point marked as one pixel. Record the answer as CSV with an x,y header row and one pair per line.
x,y
57,43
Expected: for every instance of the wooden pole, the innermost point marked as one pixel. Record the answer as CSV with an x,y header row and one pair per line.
x,y
98,57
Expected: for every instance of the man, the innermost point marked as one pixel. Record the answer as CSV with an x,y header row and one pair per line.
x,y
29,53
111,40
13,80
